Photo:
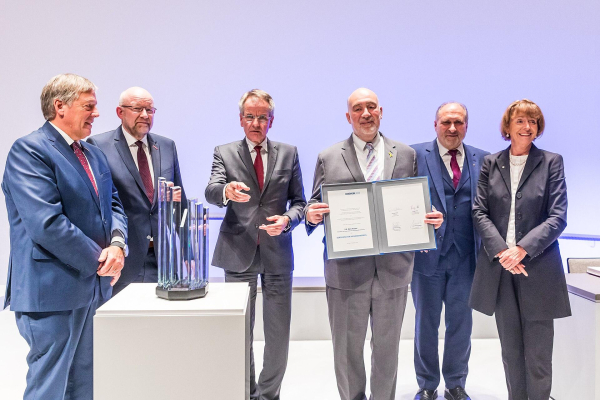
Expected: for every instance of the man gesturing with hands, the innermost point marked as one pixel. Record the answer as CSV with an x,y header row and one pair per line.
x,y
256,179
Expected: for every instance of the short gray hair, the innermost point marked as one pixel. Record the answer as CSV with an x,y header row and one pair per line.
x,y
437,112
66,88
261,94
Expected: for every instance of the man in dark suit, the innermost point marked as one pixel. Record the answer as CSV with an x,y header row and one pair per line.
x,y
256,178
67,234
372,287
445,275
137,158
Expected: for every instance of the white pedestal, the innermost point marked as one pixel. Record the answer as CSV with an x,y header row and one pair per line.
x,y
149,348
576,359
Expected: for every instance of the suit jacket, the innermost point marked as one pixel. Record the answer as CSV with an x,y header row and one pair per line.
x,y
142,216
338,164
540,218
238,236
58,225
430,164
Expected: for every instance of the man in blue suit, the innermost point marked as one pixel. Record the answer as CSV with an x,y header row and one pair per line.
x,y
67,240
445,275
137,158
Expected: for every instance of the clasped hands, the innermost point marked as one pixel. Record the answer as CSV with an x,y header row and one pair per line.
x,y
233,193
111,262
316,212
511,259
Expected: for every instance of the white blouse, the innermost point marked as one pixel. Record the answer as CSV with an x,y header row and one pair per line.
x,y
517,164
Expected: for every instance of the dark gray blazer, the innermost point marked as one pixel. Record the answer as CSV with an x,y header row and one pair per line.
x,y
338,164
540,218
237,242
142,216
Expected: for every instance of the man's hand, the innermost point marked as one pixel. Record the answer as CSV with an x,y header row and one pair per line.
x,y
434,218
315,212
111,261
115,279
278,226
232,192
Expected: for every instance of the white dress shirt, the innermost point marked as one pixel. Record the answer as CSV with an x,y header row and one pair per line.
x,y
361,153
70,142
264,153
447,157
134,150
517,165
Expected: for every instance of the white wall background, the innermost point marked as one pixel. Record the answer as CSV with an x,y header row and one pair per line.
x,y
198,57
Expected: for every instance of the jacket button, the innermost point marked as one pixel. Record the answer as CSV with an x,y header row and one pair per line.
x,y
256,226
519,195
260,204
104,221
148,237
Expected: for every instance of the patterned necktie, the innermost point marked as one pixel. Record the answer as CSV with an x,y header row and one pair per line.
x,y
84,163
372,164
455,168
144,170
259,168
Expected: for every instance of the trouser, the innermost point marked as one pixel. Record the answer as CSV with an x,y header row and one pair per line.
x,y
449,285
526,345
349,313
60,355
277,313
148,274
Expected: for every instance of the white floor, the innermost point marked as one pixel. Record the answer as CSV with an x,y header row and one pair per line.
x,y
310,372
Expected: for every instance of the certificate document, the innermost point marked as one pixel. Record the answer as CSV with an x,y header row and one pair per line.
x,y
370,218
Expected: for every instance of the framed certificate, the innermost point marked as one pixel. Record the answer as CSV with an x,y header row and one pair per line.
x,y
370,218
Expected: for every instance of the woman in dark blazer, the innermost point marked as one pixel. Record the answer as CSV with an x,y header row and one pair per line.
x,y
520,211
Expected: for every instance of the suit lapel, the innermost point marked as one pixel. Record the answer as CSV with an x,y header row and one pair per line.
x,y
534,159
474,175
351,160
272,156
389,161
125,153
247,160
61,145
466,171
503,163
434,166
155,155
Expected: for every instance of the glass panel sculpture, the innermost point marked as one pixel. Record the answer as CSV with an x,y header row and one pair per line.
x,y
182,246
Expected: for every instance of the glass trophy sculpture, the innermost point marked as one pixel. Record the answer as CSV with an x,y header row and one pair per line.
x,y
182,246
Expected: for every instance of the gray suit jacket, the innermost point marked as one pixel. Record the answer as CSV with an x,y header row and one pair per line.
x,y
540,218
338,164
237,242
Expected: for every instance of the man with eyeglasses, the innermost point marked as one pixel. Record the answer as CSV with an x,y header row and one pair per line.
x,y
255,179
137,158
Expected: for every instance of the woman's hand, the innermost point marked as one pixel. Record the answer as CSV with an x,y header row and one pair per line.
x,y
511,259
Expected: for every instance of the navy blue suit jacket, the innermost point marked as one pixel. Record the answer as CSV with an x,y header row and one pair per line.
x,y
58,225
142,216
429,164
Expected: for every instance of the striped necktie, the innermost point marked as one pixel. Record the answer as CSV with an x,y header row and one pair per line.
x,y
372,164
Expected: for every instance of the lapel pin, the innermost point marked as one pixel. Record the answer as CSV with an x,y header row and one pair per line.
x,y
503,166
391,155
155,147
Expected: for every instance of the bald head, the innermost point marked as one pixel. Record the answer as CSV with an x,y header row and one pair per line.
x,y
364,113
134,93
136,111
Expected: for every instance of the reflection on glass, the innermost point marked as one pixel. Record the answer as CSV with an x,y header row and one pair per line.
x,y
182,246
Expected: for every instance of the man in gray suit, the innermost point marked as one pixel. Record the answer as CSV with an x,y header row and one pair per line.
x,y
256,178
363,287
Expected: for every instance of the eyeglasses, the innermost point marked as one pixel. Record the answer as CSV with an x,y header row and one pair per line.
x,y
137,110
262,119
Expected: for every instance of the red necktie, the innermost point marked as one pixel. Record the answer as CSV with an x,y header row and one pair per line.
x,y
259,168
455,168
84,163
144,170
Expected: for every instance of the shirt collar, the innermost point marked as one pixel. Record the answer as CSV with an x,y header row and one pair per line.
x,y
444,151
361,144
64,135
252,145
131,140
